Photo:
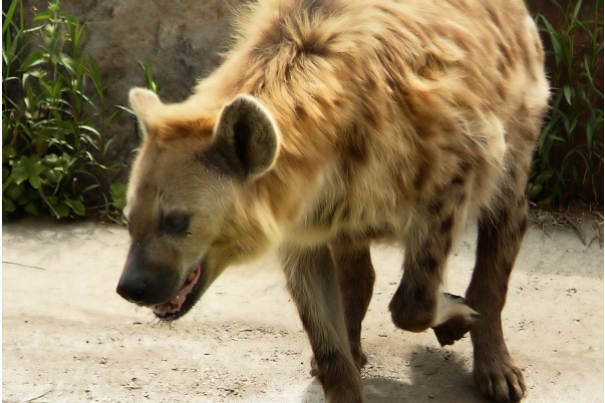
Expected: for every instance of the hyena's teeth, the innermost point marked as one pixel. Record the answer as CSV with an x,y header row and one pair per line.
x,y
191,277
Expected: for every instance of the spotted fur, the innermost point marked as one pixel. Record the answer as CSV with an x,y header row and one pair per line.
x,y
334,124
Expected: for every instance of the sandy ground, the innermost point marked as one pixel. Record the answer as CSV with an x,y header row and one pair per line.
x,y
67,336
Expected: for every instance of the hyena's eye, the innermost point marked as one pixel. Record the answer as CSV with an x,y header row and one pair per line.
x,y
176,222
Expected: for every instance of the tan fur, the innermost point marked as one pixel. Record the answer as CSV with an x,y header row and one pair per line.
x,y
392,120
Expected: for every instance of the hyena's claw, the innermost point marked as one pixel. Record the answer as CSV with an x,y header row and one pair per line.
x,y
501,381
457,323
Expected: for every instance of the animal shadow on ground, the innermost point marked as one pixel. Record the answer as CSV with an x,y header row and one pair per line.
x,y
431,375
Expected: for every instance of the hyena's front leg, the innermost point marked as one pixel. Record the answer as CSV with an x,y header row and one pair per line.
x,y
418,303
499,240
356,278
313,285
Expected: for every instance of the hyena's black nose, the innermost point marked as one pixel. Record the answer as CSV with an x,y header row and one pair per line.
x,y
132,289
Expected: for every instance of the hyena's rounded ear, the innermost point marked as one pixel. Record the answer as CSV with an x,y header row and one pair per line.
x,y
246,139
143,102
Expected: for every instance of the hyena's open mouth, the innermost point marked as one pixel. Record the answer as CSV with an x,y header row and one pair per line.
x,y
184,299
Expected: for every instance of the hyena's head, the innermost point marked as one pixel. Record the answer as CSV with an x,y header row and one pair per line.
x,y
186,216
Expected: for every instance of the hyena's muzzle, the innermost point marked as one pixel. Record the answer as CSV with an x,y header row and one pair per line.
x,y
159,285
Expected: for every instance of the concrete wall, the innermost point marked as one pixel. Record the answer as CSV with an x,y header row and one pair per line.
x,y
181,38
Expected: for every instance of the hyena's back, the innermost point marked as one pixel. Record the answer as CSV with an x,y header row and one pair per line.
x,y
389,102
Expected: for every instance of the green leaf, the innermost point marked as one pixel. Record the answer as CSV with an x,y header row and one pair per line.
x,y
9,16
6,182
19,174
576,10
34,58
5,174
42,16
51,159
7,205
62,209
90,129
31,208
26,168
567,90
36,182
589,135
76,206
15,191
117,191
535,190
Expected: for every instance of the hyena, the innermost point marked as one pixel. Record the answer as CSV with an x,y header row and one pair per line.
x,y
332,124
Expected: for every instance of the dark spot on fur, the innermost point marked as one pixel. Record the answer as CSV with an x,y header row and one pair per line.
x,y
391,84
523,109
323,214
464,167
447,224
346,213
435,207
300,111
503,218
458,180
495,19
505,51
501,90
422,175
313,45
428,262
502,68
370,84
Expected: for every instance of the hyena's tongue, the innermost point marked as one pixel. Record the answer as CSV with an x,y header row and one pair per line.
x,y
176,303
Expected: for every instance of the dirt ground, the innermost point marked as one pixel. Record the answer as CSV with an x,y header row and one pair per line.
x,y
68,337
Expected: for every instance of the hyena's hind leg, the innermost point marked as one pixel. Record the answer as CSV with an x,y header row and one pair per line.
x,y
312,282
499,240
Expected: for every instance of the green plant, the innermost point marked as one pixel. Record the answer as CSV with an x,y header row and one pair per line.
x,y
149,79
570,152
54,125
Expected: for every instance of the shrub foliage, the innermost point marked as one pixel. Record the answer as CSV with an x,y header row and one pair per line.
x,y
54,121
570,153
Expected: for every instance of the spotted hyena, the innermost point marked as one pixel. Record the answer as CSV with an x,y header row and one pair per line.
x,y
334,124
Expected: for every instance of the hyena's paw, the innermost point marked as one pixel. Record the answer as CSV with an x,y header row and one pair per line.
x,y
455,319
499,379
